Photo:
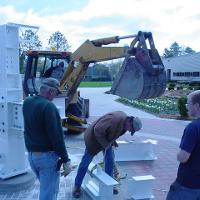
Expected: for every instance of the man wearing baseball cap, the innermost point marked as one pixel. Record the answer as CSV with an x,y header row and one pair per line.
x,y
44,139
51,83
136,124
100,136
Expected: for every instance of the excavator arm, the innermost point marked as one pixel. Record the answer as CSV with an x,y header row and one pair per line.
x,y
142,74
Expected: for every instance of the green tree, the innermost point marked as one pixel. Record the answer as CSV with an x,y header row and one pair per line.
x,y
29,40
58,42
189,50
167,53
176,50
100,73
114,68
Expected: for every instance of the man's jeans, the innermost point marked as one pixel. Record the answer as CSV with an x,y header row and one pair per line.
x,y
87,159
179,192
44,165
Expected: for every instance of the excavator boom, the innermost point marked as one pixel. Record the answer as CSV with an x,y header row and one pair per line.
x,y
142,74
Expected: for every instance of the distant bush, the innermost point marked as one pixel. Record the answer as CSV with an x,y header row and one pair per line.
x,y
197,88
179,87
101,79
194,86
182,106
171,86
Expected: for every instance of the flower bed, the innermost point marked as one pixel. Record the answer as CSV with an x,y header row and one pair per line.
x,y
159,106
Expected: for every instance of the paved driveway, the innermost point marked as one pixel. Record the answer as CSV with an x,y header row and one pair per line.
x,y
101,103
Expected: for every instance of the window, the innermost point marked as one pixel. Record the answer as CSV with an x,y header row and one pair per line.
x,y
195,74
187,74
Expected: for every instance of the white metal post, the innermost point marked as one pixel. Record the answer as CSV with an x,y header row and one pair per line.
x,y
12,149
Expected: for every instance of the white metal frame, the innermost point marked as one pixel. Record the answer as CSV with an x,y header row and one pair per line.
x,y
97,184
12,149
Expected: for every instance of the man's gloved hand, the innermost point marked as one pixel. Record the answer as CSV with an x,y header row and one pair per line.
x,y
114,144
67,168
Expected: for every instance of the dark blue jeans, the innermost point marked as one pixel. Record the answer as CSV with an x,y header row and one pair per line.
x,y
179,192
87,159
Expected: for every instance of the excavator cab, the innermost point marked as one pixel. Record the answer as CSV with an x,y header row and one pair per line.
x,y
44,64
40,65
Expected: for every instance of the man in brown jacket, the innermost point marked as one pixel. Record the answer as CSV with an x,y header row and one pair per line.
x,y
99,137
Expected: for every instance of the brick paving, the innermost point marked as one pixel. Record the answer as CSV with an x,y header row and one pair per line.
x,y
166,132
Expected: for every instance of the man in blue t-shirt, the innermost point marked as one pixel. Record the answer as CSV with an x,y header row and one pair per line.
x,y
187,183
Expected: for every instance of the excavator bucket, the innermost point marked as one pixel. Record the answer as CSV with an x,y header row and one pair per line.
x,y
142,74
135,82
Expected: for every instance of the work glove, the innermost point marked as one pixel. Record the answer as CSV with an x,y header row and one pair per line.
x,y
67,168
114,144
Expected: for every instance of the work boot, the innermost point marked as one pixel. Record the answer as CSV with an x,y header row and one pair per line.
x,y
76,193
115,191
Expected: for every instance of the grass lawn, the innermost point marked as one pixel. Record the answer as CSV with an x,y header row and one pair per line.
x,y
96,84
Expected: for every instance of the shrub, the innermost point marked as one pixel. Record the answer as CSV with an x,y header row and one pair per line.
x,y
182,107
197,88
193,85
101,79
179,87
190,88
171,86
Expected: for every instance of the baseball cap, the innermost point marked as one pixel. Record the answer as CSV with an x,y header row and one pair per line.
x,y
52,82
137,124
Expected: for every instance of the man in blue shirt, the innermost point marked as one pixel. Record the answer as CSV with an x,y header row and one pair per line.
x,y
187,183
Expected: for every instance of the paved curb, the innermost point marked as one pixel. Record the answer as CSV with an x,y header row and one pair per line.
x,y
18,183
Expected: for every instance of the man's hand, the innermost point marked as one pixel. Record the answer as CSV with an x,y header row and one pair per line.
x,y
114,144
67,168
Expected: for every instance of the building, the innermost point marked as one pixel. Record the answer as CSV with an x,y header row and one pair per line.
x,y
185,68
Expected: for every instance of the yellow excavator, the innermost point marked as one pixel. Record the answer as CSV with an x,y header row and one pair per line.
x,y
141,76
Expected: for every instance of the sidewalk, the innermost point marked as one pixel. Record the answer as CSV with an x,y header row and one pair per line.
x,y
166,132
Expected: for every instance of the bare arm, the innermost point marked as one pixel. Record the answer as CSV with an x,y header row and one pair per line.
x,y
183,156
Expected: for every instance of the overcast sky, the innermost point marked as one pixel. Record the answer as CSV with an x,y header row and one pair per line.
x,y
78,20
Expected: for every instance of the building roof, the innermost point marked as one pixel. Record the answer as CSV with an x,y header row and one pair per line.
x,y
184,63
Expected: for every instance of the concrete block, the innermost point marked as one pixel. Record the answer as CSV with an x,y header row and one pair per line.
x,y
98,184
135,150
140,187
